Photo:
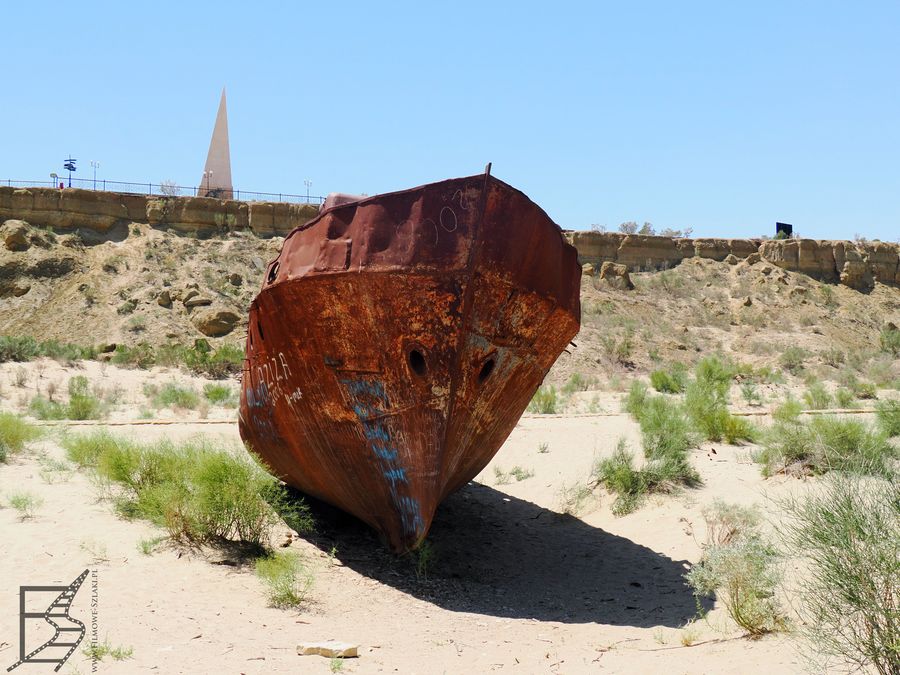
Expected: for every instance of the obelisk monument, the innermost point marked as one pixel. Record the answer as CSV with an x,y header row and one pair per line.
x,y
216,179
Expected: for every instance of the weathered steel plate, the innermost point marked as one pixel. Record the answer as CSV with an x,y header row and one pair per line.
x,y
397,340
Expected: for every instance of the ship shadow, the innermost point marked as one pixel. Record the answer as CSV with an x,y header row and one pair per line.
x,y
497,555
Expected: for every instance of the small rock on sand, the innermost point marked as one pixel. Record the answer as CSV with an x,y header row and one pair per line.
x,y
330,649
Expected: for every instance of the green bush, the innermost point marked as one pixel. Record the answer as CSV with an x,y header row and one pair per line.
x,y
65,351
43,409
137,323
743,574
82,404
887,414
826,443
817,397
619,350
148,546
519,473
766,375
216,363
663,473
833,357
141,355
26,503
666,437
287,578
424,556
618,475
726,523
200,358
737,429
715,371
544,401
85,450
15,434
574,498
172,395
706,404
707,409
845,398
829,299
97,651
751,394
13,348
636,398
199,493
889,340
665,428
846,532
669,381
220,394
851,445
127,307
865,390
666,473
788,411
578,382
792,359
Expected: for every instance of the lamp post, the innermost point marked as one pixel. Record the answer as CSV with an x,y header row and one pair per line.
x,y
307,183
55,178
95,165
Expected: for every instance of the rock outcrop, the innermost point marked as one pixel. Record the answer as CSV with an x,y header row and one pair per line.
x,y
215,321
99,216
855,264
616,275
97,211
15,235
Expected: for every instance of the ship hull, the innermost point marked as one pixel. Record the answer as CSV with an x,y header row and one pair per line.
x,y
397,341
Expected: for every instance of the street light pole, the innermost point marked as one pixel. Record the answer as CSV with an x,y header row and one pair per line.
x,y
95,165
307,183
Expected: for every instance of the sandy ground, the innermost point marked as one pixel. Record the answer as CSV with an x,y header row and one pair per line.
x,y
517,586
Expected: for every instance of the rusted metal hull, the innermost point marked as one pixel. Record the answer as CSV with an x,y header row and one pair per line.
x,y
396,342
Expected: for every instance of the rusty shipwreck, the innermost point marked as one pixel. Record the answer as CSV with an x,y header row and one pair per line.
x,y
396,341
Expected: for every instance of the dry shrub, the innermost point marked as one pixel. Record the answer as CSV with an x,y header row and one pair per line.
x,y
847,532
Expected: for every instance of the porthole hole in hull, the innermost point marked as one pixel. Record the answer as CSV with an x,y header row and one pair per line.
x,y
273,273
486,370
417,362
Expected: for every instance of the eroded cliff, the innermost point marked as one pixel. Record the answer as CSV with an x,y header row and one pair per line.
x,y
855,264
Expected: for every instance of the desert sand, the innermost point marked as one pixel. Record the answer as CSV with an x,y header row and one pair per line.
x,y
516,585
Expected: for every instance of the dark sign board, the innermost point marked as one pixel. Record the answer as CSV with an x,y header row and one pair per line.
x,y
787,228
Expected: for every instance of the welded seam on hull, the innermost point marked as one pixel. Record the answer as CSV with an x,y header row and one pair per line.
x,y
466,309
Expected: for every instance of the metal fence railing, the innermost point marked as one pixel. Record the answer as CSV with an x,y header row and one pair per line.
x,y
166,189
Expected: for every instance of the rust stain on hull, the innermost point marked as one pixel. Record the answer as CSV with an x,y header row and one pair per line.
x,y
397,340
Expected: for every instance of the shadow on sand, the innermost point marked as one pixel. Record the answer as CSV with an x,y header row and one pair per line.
x,y
501,556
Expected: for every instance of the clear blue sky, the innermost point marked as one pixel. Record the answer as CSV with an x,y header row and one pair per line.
x,y
714,116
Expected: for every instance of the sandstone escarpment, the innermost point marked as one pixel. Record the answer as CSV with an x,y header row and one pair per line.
x,y
103,212
104,216
855,264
